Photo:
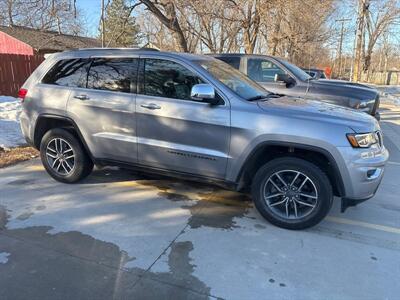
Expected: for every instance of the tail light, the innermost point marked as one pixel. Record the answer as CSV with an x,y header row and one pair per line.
x,y
22,94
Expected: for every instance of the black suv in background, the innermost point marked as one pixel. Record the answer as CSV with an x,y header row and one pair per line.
x,y
281,77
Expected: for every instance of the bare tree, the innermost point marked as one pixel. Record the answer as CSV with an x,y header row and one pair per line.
x,y
250,20
210,24
165,11
298,29
381,16
9,10
241,25
59,15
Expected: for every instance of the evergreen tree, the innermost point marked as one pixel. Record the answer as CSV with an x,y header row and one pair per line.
x,y
121,29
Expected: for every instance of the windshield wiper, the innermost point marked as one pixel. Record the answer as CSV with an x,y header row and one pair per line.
x,y
269,95
275,95
258,97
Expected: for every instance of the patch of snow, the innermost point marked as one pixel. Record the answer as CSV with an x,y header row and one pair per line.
x,y
389,93
10,131
392,89
393,99
4,257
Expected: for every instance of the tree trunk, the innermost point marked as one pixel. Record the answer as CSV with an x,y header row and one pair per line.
x,y
275,33
252,26
10,13
169,19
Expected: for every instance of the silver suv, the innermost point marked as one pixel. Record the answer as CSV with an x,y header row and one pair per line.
x,y
197,117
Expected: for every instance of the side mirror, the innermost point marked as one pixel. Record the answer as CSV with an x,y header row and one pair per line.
x,y
204,92
281,78
284,79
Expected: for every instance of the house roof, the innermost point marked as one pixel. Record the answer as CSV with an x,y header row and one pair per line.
x,y
49,40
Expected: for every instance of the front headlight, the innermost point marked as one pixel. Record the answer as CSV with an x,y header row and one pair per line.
x,y
362,140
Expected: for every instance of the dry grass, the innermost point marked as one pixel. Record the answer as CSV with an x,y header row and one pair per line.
x,y
16,155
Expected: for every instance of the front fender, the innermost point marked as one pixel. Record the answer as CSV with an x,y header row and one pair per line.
x,y
237,167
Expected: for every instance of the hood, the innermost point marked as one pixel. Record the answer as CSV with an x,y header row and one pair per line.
x,y
322,112
341,83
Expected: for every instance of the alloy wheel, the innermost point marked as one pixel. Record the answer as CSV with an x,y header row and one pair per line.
x,y
60,156
290,194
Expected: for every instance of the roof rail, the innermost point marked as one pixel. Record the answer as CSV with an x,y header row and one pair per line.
x,y
99,48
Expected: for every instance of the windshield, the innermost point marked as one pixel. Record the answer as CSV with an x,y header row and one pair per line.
x,y
299,73
234,79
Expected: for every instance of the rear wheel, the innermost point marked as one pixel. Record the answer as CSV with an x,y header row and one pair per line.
x,y
292,193
63,156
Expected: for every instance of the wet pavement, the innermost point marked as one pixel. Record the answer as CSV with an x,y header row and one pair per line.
x,y
126,235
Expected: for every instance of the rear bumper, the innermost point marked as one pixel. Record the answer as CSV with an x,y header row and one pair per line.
x,y
26,128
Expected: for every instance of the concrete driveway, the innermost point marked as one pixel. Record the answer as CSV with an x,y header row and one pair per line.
x,y
126,235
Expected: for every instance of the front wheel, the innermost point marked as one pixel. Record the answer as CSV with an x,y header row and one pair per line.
x,y
292,193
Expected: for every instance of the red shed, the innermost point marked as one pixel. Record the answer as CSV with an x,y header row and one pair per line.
x,y
22,49
28,41
8,45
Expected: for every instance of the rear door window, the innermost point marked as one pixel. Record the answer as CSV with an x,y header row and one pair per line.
x,y
68,72
113,74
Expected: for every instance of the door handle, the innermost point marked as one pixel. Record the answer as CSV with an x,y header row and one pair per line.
x,y
151,106
81,97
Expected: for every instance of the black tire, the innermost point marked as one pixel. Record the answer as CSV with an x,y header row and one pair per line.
x,y
82,164
319,180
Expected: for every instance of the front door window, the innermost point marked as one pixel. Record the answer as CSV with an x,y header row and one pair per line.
x,y
262,70
168,79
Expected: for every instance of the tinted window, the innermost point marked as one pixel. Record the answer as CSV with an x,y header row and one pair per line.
x,y
68,72
297,72
233,61
311,73
262,70
112,74
168,79
233,79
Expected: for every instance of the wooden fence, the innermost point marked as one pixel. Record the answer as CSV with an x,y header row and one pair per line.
x,y
14,70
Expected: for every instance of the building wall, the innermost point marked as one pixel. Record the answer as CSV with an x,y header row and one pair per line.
x,y
10,45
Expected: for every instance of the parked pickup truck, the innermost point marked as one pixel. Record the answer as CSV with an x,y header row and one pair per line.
x,y
196,117
279,76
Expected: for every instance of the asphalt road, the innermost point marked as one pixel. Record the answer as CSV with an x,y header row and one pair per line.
x,y
124,235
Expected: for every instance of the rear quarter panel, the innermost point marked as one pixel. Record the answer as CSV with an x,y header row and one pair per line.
x,y
41,99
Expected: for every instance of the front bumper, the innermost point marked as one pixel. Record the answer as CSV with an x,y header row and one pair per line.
x,y
365,169
347,202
